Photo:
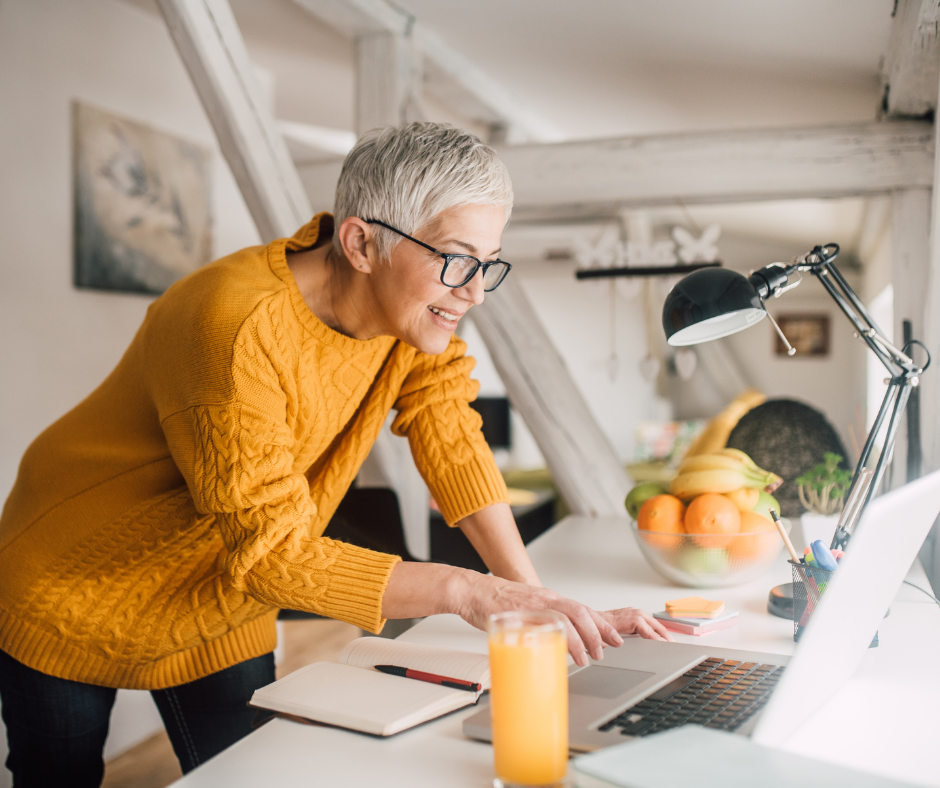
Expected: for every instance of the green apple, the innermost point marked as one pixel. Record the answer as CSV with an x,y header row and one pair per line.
x,y
699,561
640,495
765,503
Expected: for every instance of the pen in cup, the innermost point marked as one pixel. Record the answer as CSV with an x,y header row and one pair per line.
x,y
432,678
783,535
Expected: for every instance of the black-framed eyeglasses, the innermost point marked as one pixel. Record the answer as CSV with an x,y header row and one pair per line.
x,y
459,269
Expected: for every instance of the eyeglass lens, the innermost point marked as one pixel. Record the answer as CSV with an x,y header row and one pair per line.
x,y
460,268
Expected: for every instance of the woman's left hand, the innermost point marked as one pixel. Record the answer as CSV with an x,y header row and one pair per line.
x,y
631,621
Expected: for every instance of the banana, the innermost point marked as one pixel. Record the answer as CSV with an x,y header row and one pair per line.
x,y
689,485
773,482
714,462
721,472
740,456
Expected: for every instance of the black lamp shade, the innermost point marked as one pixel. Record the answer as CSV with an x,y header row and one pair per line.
x,y
710,304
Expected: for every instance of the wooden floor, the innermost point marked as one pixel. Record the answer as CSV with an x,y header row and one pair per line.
x,y
152,764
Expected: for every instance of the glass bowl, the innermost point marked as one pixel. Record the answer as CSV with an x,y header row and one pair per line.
x,y
706,561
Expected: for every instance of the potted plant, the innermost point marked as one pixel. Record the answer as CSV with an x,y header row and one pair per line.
x,y
822,492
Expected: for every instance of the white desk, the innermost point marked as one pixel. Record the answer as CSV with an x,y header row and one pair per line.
x,y
884,720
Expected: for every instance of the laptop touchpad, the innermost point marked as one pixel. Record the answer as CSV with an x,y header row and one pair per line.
x,y
599,682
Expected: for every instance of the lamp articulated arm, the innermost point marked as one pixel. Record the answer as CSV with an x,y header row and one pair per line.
x,y
773,280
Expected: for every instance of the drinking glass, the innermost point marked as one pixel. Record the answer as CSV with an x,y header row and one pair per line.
x,y
529,698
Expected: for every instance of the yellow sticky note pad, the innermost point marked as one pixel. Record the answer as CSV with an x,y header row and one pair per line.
x,y
694,607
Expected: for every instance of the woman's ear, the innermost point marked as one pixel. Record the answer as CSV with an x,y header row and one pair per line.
x,y
358,241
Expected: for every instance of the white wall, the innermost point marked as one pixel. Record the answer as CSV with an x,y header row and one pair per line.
x,y
57,342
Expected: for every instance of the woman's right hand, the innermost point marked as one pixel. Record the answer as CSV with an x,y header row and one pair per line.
x,y
478,596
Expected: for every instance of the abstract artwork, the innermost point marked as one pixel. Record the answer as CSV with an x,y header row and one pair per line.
x,y
143,215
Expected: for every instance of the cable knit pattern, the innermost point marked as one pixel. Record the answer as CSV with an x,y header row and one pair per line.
x,y
154,531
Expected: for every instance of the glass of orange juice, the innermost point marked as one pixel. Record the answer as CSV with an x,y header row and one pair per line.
x,y
529,698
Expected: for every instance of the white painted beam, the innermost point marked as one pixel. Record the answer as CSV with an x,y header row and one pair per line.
x,y
930,385
583,464
930,391
388,81
911,70
470,90
317,142
595,179
452,79
910,269
356,18
597,176
208,40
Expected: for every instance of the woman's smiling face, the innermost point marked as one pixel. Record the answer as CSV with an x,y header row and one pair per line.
x,y
415,306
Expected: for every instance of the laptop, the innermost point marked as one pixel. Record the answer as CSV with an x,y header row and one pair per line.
x,y
647,686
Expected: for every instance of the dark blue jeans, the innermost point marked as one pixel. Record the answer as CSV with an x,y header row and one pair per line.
x,y
56,728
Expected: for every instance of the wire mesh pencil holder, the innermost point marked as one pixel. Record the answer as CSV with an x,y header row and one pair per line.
x,y
809,584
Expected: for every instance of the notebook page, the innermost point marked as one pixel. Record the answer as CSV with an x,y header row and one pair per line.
x,y
361,699
366,652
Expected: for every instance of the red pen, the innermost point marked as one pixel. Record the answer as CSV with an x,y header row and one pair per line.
x,y
432,678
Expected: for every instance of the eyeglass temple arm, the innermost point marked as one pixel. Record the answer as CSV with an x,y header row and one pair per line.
x,y
404,235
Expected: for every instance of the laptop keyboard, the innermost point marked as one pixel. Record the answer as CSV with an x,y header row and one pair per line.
x,y
715,693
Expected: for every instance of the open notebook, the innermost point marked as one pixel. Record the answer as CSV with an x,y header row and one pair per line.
x,y
352,694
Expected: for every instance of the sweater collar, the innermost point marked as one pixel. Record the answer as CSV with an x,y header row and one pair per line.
x,y
320,227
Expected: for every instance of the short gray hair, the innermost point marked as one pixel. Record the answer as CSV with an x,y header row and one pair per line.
x,y
407,175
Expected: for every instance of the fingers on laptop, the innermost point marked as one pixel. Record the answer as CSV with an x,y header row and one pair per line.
x,y
631,621
608,632
587,639
649,628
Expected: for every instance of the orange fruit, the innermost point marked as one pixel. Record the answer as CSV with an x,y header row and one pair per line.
x,y
758,537
714,518
745,499
662,516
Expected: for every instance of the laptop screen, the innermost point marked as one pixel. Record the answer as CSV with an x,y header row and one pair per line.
x,y
877,559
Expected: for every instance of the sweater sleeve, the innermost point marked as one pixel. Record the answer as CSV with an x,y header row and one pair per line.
x,y
238,463
445,433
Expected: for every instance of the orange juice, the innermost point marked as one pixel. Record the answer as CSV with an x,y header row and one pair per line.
x,y
529,698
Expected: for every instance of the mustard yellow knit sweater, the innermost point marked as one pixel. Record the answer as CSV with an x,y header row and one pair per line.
x,y
154,530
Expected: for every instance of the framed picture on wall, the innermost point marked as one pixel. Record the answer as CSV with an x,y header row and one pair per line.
x,y
143,210
808,333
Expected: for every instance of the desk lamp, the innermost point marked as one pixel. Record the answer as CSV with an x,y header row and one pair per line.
x,y
715,302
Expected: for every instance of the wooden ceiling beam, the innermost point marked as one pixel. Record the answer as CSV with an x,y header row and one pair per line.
x,y
451,78
207,37
911,70
597,178
729,166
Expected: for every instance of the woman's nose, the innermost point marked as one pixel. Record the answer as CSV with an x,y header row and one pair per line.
x,y
473,290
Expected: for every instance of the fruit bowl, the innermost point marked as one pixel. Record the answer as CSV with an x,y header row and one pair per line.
x,y
710,561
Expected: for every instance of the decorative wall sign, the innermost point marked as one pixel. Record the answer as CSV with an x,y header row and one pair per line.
x,y
697,250
808,333
143,215
609,252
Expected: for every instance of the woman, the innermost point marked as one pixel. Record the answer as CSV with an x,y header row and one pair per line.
x,y
155,530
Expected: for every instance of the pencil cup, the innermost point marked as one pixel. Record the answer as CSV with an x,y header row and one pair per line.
x,y
529,698
809,585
